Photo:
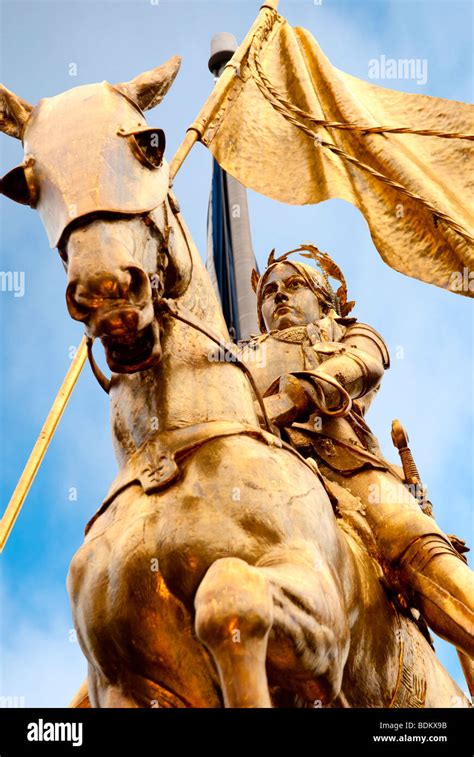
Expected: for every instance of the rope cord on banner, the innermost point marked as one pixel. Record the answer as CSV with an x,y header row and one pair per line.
x,y
288,111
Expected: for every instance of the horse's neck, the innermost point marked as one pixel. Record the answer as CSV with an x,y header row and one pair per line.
x,y
189,385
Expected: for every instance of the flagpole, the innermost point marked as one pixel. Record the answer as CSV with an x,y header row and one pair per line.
x,y
230,254
194,132
223,84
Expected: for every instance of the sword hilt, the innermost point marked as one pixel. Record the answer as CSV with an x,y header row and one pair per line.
x,y
410,471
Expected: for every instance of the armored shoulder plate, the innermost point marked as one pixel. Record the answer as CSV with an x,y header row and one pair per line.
x,y
365,337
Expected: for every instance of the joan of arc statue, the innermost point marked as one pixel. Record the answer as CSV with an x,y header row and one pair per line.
x,y
319,370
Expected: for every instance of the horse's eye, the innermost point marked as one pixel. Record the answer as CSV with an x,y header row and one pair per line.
x,y
148,146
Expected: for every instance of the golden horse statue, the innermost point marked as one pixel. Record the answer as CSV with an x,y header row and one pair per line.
x,y
216,572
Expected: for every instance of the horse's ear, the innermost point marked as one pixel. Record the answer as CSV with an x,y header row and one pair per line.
x,y
148,89
15,186
14,113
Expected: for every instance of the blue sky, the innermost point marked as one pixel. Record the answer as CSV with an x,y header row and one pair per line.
x,y
428,330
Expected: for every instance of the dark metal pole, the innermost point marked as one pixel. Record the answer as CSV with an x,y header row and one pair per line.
x,y
239,267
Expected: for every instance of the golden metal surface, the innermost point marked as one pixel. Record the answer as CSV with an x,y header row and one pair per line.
x,y
93,172
192,135
220,92
222,569
409,541
414,190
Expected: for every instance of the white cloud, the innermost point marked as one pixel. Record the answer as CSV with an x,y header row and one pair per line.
x,y
39,662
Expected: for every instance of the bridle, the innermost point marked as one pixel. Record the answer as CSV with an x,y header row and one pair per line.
x,y
167,306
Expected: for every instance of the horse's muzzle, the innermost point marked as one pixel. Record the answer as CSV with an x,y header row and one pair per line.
x,y
130,334
132,351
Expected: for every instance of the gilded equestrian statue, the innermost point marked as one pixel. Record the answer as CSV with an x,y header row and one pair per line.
x,y
216,571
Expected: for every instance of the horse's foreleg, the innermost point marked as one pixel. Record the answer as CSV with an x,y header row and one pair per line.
x,y
234,615
104,694
310,637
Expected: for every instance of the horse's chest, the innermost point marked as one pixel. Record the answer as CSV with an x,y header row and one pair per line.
x,y
142,537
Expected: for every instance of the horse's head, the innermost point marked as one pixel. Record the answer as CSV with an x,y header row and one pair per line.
x,y
94,170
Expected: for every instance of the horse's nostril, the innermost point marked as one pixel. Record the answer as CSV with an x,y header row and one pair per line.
x,y
77,310
138,288
129,284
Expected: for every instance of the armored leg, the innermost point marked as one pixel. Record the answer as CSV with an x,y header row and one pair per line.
x,y
444,588
418,551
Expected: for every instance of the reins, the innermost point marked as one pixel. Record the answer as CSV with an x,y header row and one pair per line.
x,y
170,307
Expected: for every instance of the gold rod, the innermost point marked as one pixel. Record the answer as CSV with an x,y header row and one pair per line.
x,y
195,132
42,443
220,91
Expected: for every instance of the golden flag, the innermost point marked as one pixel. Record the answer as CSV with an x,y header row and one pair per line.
x,y
298,130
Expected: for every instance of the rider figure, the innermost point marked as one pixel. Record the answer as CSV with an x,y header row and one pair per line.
x,y
318,371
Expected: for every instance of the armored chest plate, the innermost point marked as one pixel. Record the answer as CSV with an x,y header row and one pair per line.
x,y
268,358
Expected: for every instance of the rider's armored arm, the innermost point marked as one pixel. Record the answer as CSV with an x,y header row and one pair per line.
x,y
349,370
357,365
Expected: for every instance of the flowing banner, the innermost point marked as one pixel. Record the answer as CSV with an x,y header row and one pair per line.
x,y
298,130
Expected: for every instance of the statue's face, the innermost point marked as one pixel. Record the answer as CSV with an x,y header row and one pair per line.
x,y
287,300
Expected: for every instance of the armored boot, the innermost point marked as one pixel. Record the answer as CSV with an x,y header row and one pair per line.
x,y
426,563
443,587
